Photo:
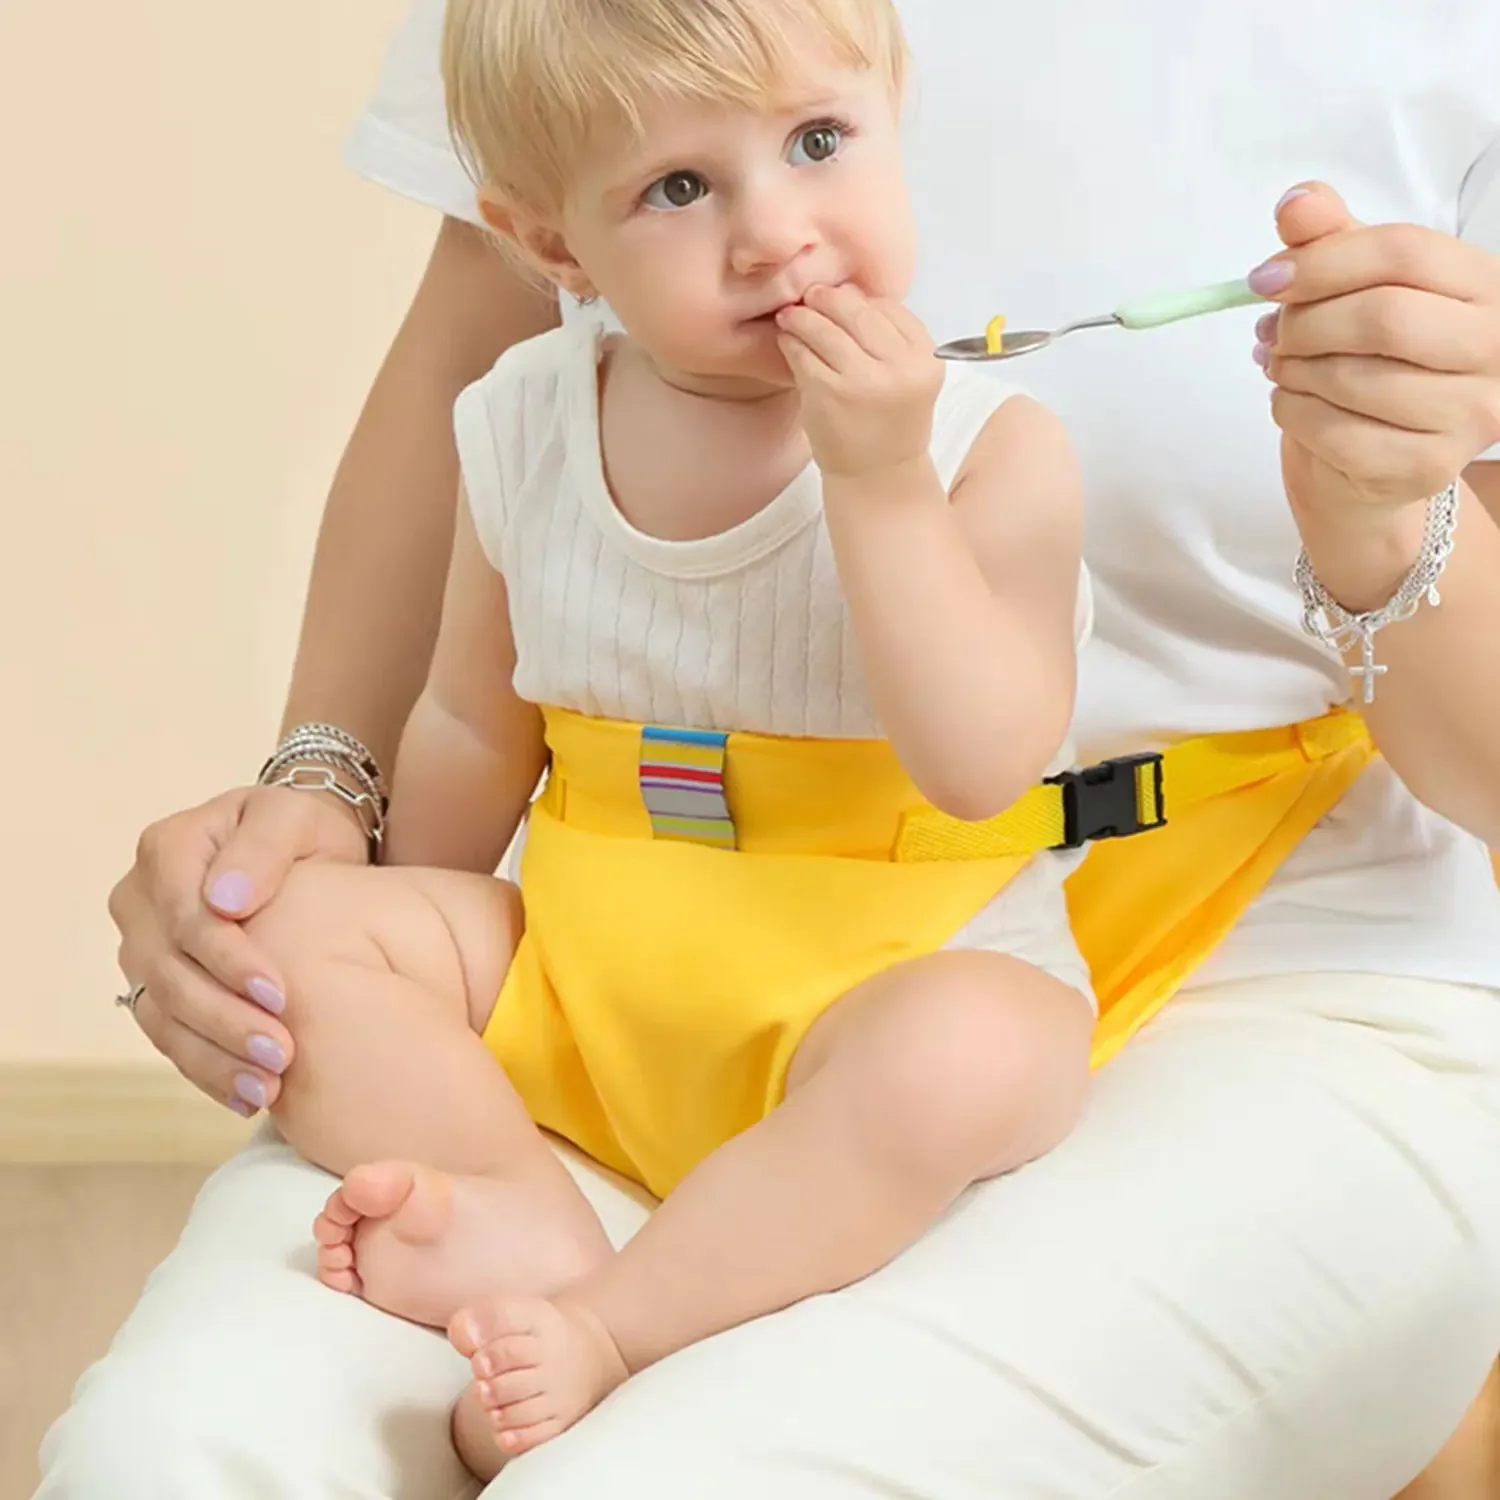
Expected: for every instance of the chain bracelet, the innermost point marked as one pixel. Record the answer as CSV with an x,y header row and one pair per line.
x,y
326,753
354,746
324,758
334,760
1326,620
308,778
316,735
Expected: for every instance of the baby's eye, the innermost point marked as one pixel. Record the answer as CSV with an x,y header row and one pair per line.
x,y
817,143
675,190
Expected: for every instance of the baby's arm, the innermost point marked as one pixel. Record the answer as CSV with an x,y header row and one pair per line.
x,y
963,603
473,750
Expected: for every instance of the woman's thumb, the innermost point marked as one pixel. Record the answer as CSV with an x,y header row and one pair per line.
x,y
1310,211
252,866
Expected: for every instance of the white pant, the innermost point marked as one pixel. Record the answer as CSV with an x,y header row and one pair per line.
x,y
1265,1267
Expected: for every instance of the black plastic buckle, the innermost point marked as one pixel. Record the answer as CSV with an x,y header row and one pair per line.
x,y
1101,801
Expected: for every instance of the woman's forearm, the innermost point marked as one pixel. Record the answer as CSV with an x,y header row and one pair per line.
x,y
1385,357
1436,711
377,582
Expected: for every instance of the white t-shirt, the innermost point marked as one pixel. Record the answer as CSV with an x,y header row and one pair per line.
x,y
1066,157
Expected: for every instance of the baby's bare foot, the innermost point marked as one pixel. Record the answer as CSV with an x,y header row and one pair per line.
x,y
538,1366
421,1243
474,1437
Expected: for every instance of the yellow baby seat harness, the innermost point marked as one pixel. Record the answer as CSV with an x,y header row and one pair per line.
x,y
695,900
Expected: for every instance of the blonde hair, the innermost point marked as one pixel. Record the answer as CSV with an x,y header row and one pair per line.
x,y
533,84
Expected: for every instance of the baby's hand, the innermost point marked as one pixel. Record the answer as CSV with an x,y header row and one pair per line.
x,y
867,376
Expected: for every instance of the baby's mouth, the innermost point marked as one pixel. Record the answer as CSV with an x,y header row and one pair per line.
x,y
775,312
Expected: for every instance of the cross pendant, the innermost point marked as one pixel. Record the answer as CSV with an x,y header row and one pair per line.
x,y
1367,670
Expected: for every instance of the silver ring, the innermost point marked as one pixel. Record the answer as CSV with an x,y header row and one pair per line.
x,y
129,998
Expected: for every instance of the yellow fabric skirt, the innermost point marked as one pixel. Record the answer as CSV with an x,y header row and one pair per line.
x,y
663,984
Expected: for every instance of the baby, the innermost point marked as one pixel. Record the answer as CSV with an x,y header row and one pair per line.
x,y
788,613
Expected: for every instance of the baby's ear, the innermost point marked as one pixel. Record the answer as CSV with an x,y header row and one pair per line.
x,y
539,243
496,213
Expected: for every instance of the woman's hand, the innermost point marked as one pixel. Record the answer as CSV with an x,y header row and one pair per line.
x,y
211,999
1385,355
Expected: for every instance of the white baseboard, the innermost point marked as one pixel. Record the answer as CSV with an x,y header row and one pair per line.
x,y
59,1113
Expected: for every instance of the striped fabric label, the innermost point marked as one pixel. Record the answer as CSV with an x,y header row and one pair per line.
x,y
682,785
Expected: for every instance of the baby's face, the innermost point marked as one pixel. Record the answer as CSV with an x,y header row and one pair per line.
x,y
697,233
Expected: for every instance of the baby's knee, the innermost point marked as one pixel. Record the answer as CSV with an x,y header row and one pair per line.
x,y
436,933
320,911
333,930
985,1061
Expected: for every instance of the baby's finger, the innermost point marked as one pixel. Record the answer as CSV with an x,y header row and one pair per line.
x,y
867,322
908,325
805,366
833,345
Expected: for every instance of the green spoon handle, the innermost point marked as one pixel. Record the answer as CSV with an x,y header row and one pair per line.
x,y
1171,307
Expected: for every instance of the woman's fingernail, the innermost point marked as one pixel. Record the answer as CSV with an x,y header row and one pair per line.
x,y
1290,196
242,1109
1267,327
266,995
1261,354
231,891
249,1088
1271,277
267,1052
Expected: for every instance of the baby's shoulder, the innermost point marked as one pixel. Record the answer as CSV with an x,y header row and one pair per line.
x,y
970,397
537,373
517,413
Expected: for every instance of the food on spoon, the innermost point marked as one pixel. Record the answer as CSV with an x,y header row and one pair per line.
x,y
994,334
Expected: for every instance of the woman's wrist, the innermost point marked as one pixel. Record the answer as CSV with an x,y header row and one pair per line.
x,y
331,763
1361,554
1349,623
351,843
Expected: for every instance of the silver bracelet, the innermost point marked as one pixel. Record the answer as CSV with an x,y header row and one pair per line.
x,y
1326,620
324,758
330,737
323,753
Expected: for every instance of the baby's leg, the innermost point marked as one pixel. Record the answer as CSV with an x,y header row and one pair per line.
x,y
928,1078
390,973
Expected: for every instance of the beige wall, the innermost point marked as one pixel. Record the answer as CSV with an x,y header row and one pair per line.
x,y
194,294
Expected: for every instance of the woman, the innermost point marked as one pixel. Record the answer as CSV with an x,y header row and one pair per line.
x,y
1283,1204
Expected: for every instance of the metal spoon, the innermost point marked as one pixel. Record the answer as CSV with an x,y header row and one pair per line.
x,y
1142,312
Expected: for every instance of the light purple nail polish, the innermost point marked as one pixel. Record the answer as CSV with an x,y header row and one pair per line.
x,y
242,1109
231,892
1267,326
249,1088
266,995
1261,354
1290,196
1271,277
268,1053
